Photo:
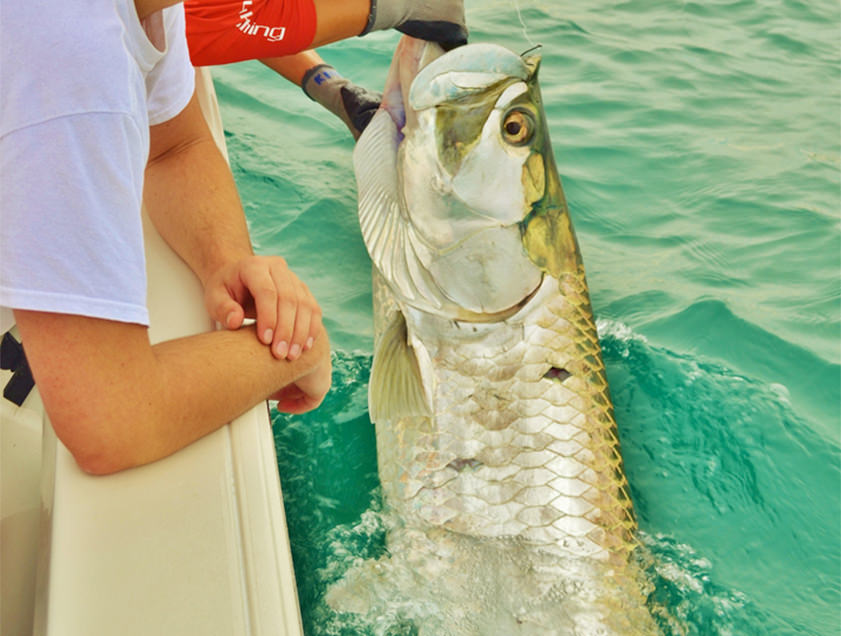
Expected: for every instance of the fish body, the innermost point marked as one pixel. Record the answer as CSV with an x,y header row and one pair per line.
x,y
488,391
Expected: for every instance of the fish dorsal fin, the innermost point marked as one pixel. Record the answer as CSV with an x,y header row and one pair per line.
x,y
396,388
386,231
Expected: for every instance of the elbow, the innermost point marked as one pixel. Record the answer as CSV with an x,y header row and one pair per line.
x,y
94,450
99,463
101,459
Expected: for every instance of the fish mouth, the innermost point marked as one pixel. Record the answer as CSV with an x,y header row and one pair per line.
x,y
411,55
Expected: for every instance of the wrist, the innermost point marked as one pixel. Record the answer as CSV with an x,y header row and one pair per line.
x,y
211,271
352,104
318,79
385,15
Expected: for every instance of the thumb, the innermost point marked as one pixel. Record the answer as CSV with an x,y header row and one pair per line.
x,y
224,309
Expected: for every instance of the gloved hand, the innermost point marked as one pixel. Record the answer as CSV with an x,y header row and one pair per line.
x,y
353,104
434,20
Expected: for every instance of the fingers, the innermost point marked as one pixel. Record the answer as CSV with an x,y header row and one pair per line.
x,y
265,283
359,107
308,392
298,319
287,315
284,306
296,403
307,324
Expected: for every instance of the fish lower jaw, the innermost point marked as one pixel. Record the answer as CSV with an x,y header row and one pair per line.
x,y
459,317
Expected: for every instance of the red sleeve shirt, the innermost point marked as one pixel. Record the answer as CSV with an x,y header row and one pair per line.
x,y
224,31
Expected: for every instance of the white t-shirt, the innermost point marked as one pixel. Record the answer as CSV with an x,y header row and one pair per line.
x,y
81,82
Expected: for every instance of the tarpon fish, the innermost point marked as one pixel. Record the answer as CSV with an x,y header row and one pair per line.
x,y
488,391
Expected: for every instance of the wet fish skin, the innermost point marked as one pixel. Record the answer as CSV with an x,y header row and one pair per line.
x,y
488,389
514,448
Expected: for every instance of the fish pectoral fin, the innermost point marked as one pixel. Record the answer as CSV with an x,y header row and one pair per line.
x,y
375,166
396,388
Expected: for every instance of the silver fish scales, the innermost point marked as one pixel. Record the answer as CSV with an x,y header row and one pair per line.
x,y
523,441
488,390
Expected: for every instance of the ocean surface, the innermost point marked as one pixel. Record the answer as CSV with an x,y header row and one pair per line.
x,y
699,144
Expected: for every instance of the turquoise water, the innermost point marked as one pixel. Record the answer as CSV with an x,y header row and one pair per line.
x,y
700,150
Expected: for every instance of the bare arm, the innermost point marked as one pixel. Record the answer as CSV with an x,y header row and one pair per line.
x,y
190,194
117,402
294,67
191,198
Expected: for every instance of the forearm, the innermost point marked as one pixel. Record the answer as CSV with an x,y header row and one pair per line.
x,y
339,20
294,67
208,380
116,402
191,197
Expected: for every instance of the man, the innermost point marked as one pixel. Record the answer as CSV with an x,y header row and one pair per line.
x,y
98,116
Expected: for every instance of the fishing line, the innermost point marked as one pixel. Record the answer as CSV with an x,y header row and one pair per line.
x,y
525,28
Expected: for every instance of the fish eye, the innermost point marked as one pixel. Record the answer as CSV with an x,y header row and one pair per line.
x,y
517,127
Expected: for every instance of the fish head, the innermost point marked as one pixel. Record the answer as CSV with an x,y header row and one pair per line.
x,y
481,207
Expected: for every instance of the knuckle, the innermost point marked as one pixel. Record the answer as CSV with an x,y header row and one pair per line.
x,y
265,290
250,264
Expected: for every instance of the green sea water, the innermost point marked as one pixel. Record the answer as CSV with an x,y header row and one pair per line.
x,y
699,144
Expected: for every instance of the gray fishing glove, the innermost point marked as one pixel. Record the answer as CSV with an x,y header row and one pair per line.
x,y
434,20
353,104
